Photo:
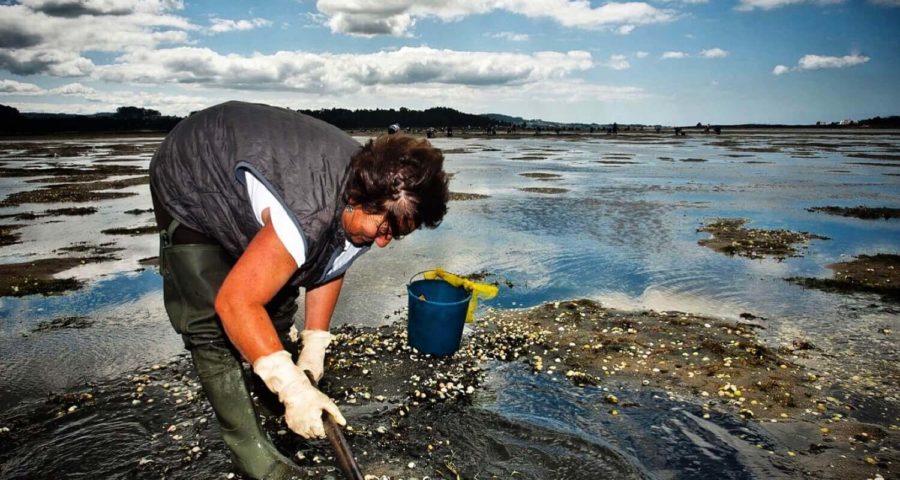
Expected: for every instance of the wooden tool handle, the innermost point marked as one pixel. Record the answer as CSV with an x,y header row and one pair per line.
x,y
345,459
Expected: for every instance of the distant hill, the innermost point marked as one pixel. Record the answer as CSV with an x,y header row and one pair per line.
x,y
125,119
536,122
501,118
882,122
438,117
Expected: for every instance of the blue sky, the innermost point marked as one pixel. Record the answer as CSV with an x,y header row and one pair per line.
x,y
668,62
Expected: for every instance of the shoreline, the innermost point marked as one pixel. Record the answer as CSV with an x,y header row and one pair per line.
x,y
668,132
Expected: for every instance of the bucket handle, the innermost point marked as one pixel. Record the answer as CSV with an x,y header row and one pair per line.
x,y
475,289
415,275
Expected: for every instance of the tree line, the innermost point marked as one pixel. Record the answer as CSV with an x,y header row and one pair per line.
x,y
136,119
438,117
125,119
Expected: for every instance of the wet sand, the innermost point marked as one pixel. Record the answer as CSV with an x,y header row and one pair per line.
x,y
879,274
402,406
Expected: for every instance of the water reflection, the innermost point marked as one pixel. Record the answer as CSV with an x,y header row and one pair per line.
x,y
660,438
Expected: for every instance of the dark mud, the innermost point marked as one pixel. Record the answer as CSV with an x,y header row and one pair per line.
x,y
544,190
71,173
730,237
692,160
755,149
879,274
529,157
411,415
9,235
614,162
75,192
870,164
56,212
36,277
139,211
103,249
863,212
874,156
71,211
63,323
149,262
460,197
91,177
132,231
541,175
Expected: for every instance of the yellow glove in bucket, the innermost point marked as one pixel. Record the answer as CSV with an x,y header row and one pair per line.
x,y
484,290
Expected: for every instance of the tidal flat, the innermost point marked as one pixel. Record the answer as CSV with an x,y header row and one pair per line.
x,y
656,318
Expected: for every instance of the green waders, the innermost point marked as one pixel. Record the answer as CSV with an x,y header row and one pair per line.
x,y
192,275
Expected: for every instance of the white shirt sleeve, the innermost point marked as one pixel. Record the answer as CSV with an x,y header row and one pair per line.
x,y
260,199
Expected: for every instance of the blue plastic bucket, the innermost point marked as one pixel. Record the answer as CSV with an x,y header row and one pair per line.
x,y
435,324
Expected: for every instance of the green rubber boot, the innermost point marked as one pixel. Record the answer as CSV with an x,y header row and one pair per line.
x,y
192,275
225,385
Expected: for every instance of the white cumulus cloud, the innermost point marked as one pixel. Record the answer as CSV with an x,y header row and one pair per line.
x,y
334,73
640,54
749,5
50,36
12,87
221,25
74,89
397,17
714,53
673,55
617,62
511,36
818,62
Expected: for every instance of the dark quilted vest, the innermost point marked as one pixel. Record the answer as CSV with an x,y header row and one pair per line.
x,y
198,175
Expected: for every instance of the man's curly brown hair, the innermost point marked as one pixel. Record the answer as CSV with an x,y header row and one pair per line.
x,y
403,177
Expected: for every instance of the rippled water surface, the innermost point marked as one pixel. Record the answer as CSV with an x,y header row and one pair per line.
x,y
623,231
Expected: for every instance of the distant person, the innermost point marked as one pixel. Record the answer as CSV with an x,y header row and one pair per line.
x,y
254,203
615,128
679,131
718,130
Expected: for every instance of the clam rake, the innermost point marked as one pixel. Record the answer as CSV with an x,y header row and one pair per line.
x,y
345,460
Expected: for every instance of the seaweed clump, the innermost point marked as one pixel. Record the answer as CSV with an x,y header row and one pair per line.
x,y
730,237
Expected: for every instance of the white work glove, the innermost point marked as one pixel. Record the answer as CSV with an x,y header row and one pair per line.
x,y
303,403
312,356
